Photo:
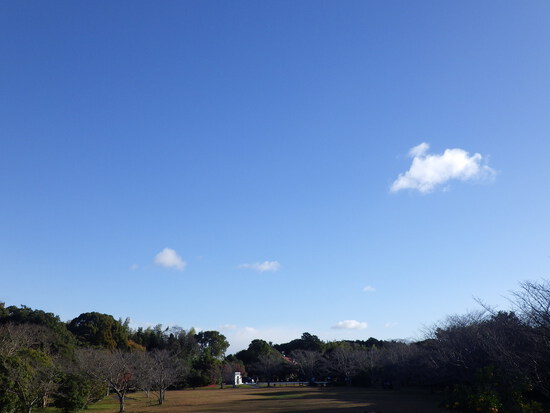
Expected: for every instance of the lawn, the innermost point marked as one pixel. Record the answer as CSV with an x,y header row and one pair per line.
x,y
280,399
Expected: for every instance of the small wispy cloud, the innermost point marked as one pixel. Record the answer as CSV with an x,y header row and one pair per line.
x,y
170,259
369,289
429,171
391,324
262,266
133,267
350,325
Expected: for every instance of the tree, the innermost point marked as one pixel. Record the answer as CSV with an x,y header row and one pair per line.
x,y
53,332
74,393
346,360
151,338
14,337
31,375
100,330
117,369
212,343
165,369
187,347
308,362
306,342
255,349
143,376
17,341
269,365
533,304
8,398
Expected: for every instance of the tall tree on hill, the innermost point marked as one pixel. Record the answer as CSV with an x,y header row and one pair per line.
x,y
151,337
307,341
256,348
100,330
54,332
212,343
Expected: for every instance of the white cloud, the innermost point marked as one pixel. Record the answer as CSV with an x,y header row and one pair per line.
x,y
428,171
419,150
240,337
391,324
262,266
350,325
369,289
170,259
134,267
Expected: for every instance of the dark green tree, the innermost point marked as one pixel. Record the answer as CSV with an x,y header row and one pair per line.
x,y
99,330
307,342
212,343
74,393
32,377
58,339
256,348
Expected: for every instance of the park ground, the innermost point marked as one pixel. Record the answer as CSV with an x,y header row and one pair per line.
x,y
280,399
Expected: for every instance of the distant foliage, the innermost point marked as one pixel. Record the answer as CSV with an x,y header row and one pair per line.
x,y
101,330
486,361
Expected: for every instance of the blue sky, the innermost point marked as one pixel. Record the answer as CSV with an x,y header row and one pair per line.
x,y
349,169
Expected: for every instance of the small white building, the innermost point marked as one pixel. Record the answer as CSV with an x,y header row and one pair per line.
x,y
238,378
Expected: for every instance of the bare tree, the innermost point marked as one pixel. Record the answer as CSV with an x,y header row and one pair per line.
x,y
520,341
533,304
14,337
308,362
346,360
16,341
165,370
117,369
143,374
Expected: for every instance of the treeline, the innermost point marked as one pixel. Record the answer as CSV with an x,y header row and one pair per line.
x,y
44,361
488,361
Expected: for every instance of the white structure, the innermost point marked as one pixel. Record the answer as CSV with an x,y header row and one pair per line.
x,y
238,378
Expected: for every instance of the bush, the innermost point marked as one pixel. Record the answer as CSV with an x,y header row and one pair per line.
x,y
73,394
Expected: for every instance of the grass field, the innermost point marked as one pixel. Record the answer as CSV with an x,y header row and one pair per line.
x,y
279,399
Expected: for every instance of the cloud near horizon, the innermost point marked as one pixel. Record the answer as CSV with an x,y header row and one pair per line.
x,y
429,171
350,325
262,266
170,259
240,337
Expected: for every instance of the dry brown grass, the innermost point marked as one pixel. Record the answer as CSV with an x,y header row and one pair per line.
x,y
284,399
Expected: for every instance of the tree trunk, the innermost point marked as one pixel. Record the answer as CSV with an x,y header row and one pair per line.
x,y
121,401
